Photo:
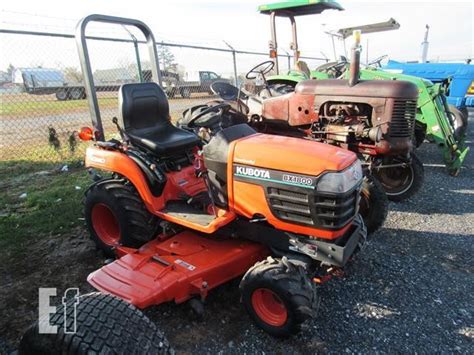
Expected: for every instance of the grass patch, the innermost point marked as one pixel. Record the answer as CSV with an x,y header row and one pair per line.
x,y
42,152
50,107
52,204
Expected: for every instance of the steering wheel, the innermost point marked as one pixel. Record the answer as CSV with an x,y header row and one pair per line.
x,y
262,69
378,61
218,109
332,66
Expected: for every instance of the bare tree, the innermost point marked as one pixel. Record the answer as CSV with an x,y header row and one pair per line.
x,y
72,75
167,59
10,70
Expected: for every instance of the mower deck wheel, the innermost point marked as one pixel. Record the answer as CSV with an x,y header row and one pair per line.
x,y
104,325
115,215
373,205
278,296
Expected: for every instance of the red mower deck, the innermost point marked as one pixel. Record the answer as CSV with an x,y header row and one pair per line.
x,y
177,268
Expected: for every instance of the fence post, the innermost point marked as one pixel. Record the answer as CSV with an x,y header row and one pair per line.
x,y
288,56
234,59
137,54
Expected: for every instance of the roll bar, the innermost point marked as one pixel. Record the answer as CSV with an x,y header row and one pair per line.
x,y
274,43
86,64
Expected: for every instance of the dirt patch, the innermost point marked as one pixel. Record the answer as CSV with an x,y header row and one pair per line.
x,y
57,261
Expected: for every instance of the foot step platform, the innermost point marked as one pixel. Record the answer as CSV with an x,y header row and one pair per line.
x,y
180,212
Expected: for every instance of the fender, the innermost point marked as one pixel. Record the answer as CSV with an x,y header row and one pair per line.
x,y
156,185
120,163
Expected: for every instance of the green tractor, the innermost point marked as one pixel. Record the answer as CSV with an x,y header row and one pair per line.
x,y
436,121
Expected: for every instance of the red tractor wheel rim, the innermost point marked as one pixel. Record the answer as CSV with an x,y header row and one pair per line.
x,y
269,307
105,224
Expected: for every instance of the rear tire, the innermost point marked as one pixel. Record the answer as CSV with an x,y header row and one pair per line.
x,y
76,94
171,93
104,324
460,122
115,215
185,93
373,206
278,296
62,95
419,135
401,183
465,112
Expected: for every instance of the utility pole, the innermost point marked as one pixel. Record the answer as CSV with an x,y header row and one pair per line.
x,y
424,46
289,59
235,62
367,52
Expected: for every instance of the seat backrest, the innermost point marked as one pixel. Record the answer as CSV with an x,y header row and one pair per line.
x,y
142,105
225,90
303,67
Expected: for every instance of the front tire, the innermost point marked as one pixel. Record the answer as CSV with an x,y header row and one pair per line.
x,y
460,120
104,325
115,215
373,205
465,112
401,183
278,296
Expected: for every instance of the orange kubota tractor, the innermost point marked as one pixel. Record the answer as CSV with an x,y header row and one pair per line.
x,y
183,216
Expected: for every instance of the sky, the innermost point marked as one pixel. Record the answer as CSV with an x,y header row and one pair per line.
x,y
239,24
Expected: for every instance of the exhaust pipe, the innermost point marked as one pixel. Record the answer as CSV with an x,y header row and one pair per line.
x,y
354,68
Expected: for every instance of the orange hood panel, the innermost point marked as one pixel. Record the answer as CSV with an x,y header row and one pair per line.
x,y
291,154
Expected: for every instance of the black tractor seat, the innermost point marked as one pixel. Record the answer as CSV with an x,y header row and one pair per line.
x,y
144,116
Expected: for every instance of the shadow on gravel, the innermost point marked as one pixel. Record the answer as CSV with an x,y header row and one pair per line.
x,y
408,292
442,193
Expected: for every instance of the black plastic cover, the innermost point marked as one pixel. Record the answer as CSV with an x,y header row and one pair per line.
x,y
216,153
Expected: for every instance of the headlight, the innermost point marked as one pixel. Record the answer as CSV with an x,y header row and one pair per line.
x,y
343,181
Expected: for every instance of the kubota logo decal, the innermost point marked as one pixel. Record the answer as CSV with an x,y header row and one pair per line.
x,y
252,172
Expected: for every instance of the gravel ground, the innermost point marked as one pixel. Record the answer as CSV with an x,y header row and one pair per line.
x,y
410,291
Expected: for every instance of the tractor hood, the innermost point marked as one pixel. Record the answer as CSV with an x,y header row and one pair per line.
x,y
293,155
371,88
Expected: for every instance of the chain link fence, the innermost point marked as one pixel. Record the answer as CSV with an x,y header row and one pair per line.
x,y
43,102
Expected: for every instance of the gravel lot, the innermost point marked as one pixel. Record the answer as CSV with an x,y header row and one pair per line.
x,y
411,290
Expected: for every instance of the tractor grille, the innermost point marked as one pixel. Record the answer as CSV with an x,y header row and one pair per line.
x,y
328,211
403,119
